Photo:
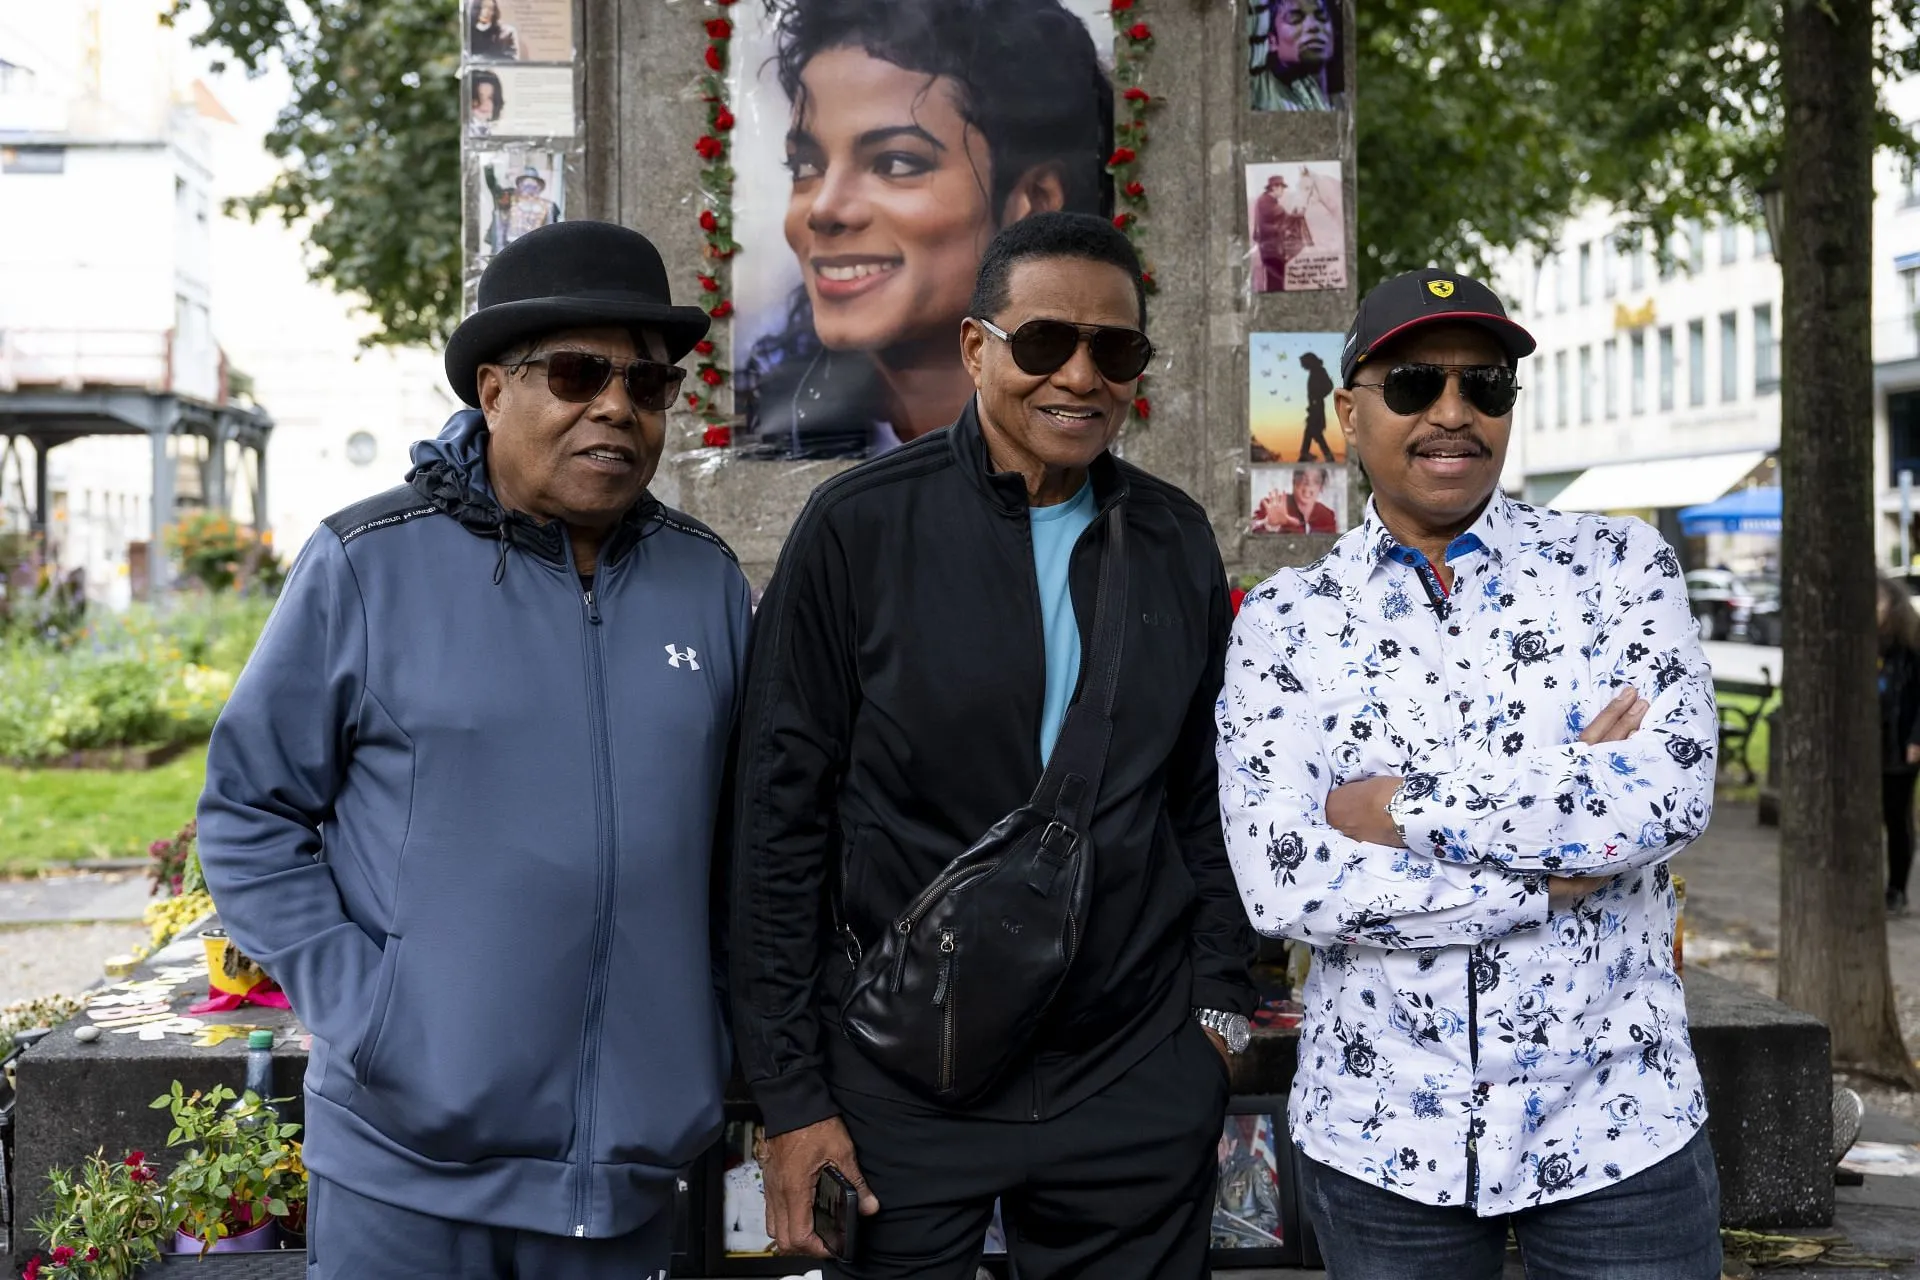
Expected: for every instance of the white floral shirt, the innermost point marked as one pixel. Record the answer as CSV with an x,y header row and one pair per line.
x,y
1463,1043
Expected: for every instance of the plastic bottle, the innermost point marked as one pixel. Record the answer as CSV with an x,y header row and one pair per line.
x,y
260,1065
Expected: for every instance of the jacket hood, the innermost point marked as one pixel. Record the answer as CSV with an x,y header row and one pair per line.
x,y
450,471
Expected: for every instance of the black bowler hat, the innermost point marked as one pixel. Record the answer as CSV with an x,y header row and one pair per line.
x,y
1418,298
570,275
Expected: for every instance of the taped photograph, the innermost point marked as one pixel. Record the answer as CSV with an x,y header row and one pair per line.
x,y
1247,1211
1300,499
1297,223
1290,385
1295,58
517,192
520,102
519,30
880,144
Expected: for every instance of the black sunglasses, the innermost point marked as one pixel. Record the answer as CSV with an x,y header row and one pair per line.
x,y
578,377
1041,346
1410,388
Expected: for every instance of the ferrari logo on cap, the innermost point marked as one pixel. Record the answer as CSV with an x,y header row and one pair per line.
x,y
1440,288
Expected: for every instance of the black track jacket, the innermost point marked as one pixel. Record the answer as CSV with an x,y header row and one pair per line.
x,y
892,715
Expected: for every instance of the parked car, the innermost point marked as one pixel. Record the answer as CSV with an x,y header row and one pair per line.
x,y
1722,603
1763,620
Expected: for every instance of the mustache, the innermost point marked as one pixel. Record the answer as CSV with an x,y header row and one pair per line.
x,y
1453,440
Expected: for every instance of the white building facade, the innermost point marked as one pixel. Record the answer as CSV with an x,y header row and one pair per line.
x,y
1655,388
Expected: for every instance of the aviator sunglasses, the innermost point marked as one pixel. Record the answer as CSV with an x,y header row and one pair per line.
x,y
1409,388
578,377
1040,347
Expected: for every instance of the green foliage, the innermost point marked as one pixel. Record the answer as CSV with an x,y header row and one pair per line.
x,y
127,680
222,554
35,602
241,1167
108,1221
371,141
1483,123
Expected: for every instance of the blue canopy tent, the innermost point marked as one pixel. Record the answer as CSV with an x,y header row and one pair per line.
x,y
1742,511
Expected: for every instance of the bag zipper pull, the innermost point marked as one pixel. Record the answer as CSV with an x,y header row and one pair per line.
x,y
946,967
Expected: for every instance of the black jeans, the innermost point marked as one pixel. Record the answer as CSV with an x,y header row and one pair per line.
x,y
1660,1224
1118,1188
1896,810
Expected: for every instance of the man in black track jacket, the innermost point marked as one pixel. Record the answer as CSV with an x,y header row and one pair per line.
x,y
909,666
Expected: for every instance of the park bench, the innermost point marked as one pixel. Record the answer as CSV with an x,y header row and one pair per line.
x,y
1738,721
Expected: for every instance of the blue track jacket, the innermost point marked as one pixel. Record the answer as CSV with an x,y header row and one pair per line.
x,y
463,810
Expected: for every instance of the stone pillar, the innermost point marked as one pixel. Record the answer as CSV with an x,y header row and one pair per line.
x,y
42,521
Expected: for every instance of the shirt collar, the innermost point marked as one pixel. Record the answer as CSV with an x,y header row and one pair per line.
x,y
1494,532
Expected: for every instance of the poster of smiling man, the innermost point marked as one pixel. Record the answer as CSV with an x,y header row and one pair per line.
x,y
880,145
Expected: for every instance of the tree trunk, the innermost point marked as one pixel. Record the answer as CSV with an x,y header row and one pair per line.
x,y
1833,943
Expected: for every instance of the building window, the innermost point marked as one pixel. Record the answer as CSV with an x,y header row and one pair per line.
x,y
1610,378
1560,381
1666,368
1637,271
1696,362
1766,351
1696,246
1537,401
1586,273
1903,432
1586,384
1910,291
1559,263
1637,372
1762,241
1909,178
1729,243
1729,357
1609,273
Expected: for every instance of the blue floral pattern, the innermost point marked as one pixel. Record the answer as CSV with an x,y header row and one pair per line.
x,y
1464,1042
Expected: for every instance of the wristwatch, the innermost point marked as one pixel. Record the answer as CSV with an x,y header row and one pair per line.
x,y
1230,1027
1393,814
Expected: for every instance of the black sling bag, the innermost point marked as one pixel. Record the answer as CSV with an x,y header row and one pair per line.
x,y
956,989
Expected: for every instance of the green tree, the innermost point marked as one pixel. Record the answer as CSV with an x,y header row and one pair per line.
x,y
370,141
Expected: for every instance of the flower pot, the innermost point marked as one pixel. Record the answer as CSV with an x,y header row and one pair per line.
x,y
257,1239
228,969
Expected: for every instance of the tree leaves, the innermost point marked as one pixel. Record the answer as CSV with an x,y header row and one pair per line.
x,y
371,141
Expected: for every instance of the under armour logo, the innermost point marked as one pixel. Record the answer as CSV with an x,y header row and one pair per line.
x,y
675,656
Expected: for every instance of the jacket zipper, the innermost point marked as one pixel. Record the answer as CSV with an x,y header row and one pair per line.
x,y
945,997
597,719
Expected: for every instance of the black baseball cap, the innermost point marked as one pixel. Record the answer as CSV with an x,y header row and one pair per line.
x,y
1430,296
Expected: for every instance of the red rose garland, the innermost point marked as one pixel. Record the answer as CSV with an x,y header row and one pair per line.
x,y
1133,44
715,148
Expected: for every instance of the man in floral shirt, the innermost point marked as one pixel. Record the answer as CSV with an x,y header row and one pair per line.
x,y
1456,755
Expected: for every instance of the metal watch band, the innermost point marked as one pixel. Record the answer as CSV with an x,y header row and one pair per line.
x,y
1230,1027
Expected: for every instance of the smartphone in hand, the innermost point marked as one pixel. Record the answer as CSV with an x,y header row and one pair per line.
x,y
836,1213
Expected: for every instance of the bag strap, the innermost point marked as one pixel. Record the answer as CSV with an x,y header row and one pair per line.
x,y
1071,782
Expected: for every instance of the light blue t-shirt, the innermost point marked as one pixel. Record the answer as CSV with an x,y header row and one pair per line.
x,y
1055,530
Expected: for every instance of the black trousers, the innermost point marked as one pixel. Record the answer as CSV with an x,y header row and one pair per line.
x,y
1896,810
1118,1188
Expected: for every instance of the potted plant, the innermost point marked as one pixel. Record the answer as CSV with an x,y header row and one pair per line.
x,y
106,1222
231,1186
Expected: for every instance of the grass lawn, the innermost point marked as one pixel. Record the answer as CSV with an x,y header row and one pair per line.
x,y
49,816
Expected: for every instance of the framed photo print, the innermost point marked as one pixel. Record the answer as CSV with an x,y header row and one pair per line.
x,y
1256,1210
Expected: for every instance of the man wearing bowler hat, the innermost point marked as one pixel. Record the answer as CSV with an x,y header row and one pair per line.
x,y
462,801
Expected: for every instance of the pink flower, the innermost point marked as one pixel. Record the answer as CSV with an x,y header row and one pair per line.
x,y
93,1253
62,1256
33,1269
